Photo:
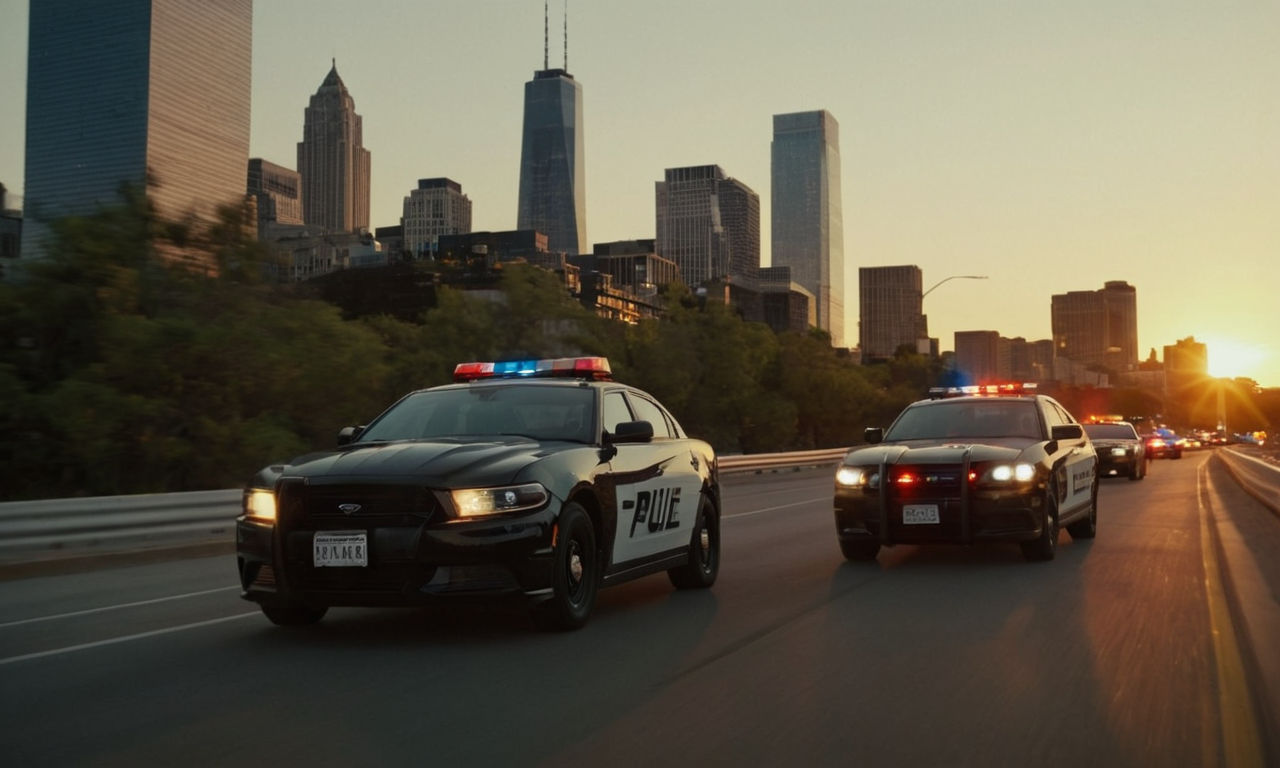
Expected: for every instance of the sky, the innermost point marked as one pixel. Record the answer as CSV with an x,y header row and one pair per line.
x,y
1049,146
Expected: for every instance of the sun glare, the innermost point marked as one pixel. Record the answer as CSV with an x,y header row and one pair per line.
x,y
1230,359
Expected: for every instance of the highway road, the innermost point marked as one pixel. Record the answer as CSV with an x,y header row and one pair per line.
x,y
1136,648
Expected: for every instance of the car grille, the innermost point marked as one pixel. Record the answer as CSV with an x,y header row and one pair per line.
x,y
939,485
320,507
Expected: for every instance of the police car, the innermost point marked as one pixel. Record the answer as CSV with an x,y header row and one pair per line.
x,y
540,478
970,464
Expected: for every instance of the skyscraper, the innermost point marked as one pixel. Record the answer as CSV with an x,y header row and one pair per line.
x,y
437,207
119,89
807,223
333,161
707,223
889,310
552,172
1098,328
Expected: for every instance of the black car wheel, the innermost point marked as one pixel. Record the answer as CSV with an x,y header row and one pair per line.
x,y
1045,546
576,573
704,551
1088,527
285,612
860,550
1135,470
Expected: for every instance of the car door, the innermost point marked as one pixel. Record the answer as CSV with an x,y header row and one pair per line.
x,y
1080,470
656,484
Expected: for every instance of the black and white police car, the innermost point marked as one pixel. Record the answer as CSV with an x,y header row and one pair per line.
x,y
541,478
970,464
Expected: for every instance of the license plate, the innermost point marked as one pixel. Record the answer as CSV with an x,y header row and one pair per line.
x,y
340,549
920,514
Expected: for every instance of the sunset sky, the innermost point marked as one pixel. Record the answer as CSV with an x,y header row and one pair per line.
x,y
1050,146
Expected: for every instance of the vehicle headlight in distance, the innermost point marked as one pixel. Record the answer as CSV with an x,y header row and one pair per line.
x,y
1021,473
478,502
260,503
1119,451
852,477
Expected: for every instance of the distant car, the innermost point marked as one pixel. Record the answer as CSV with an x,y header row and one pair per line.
x,y
1163,444
540,479
969,465
1121,452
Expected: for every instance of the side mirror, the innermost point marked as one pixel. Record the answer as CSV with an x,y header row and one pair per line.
x,y
347,435
632,432
873,435
1067,432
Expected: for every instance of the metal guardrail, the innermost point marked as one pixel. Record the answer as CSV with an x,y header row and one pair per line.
x,y
94,524
1260,478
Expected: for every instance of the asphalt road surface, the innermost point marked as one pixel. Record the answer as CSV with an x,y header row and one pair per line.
x,y
1116,653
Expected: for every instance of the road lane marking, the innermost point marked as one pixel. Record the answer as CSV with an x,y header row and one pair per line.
x,y
1241,743
125,639
775,509
113,607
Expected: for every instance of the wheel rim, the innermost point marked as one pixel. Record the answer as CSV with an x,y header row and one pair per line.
x,y
575,569
704,549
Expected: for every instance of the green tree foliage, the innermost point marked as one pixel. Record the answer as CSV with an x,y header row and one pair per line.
x,y
144,355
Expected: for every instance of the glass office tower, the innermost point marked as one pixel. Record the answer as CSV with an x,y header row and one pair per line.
x,y
552,172
119,89
807,225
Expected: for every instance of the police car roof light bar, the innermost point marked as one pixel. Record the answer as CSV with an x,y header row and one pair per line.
x,y
1006,388
563,367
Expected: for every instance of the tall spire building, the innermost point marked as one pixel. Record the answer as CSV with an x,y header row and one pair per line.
x,y
552,172
119,91
333,161
807,223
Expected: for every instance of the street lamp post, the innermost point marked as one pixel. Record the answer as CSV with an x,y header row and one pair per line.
x,y
952,277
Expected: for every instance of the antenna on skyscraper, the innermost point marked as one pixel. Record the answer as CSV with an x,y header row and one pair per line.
x,y
566,35
546,36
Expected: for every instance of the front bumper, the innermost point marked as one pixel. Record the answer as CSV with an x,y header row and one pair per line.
x,y
978,515
1115,465
409,563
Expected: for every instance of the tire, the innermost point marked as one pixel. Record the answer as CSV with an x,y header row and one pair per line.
x,y
860,550
704,551
1135,470
1088,527
285,612
1045,546
575,577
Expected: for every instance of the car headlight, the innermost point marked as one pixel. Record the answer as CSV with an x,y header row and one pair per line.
x,y
479,502
260,503
1119,451
1021,473
852,477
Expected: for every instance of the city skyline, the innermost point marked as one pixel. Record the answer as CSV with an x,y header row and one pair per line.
x,y
1051,148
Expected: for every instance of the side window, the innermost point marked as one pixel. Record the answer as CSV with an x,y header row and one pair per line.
x,y
1052,415
1066,417
647,410
615,411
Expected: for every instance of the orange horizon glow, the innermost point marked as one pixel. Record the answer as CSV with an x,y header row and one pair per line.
x,y
1231,359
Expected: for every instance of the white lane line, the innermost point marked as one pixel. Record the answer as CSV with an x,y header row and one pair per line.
x,y
125,639
113,607
775,509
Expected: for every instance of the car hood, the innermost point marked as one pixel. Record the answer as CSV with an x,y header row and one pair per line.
x,y
938,452
440,464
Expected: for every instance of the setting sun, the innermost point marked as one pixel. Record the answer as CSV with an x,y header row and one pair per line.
x,y
1229,358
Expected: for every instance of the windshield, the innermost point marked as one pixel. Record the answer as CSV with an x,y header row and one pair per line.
x,y
965,419
1110,432
538,412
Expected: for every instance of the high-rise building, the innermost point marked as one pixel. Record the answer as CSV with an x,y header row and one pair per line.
x,y
889,310
278,192
807,223
437,207
1186,363
119,90
978,356
707,223
553,190
1098,328
333,161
